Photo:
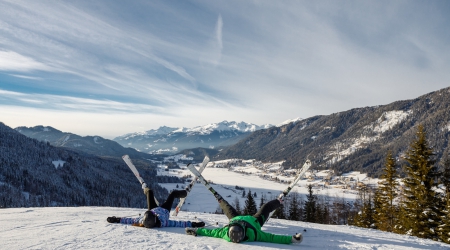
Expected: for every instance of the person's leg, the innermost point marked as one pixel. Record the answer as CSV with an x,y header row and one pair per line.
x,y
265,210
228,210
174,194
150,198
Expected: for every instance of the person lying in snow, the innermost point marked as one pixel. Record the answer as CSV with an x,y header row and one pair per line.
x,y
157,216
244,228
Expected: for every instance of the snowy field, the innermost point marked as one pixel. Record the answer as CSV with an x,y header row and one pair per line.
x,y
224,182
86,228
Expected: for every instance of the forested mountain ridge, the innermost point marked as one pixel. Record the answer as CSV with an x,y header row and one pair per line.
x,y
357,139
95,145
34,173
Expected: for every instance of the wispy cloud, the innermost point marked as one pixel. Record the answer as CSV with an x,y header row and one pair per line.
x,y
12,61
68,103
204,61
213,49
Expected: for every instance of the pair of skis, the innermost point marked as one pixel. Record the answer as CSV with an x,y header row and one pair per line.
x,y
130,164
281,197
189,187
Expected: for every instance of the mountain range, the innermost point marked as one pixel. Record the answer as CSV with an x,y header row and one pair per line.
x,y
168,140
357,139
94,145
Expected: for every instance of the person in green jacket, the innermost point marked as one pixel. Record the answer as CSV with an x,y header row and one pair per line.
x,y
243,228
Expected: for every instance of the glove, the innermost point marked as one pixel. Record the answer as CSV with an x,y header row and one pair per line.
x,y
191,231
144,186
198,224
297,238
113,219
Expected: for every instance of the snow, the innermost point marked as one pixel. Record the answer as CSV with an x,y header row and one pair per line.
x,y
67,138
295,120
86,228
58,163
386,122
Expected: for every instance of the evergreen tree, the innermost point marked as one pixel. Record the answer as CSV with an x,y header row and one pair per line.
x,y
279,213
421,216
262,200
444,228
250,205
237,205
386,216
294,212
364,218
243,193
309,210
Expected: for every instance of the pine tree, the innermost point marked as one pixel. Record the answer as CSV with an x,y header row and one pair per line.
x,y
421,216
386,216
262,200
243,193
309,210
364,217
250,205
444,228
294,212
279,213
237,205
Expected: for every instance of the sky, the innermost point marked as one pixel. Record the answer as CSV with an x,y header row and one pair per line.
x,y
110,67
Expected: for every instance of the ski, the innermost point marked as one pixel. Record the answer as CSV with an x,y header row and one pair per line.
x,y
189,187
133,168
299,175
205,182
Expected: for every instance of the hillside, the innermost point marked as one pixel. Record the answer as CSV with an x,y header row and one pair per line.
x,y
95,145
34,173
357,139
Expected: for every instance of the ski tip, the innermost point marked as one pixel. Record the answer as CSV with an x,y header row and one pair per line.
x,y
124,156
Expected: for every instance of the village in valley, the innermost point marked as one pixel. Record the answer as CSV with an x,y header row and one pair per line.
x,y
323,182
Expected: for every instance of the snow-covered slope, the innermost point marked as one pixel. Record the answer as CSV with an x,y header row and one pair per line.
x,y
86,228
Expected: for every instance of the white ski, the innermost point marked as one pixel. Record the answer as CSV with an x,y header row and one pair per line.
x,y
130,164
189,187
300,175
205,182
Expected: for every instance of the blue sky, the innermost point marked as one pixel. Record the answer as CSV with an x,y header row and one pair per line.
x,y
110,67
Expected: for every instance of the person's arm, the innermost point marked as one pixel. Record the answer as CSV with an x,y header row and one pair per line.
x,y
274,238
130,221
176,223
216,233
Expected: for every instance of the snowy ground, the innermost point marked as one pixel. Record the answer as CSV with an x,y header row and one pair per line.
x,y
86,228
201,200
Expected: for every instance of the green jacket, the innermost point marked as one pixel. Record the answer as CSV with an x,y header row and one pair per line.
x,y
250,233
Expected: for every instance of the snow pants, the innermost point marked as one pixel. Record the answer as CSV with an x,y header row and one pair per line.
x,y
169,201
261,215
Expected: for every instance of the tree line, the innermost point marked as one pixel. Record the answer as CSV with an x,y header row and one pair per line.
x,y
416,205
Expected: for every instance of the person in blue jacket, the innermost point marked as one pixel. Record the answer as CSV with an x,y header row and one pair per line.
x,y
157,216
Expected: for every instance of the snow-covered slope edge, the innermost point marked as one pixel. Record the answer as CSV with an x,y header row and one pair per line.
x,y
86,228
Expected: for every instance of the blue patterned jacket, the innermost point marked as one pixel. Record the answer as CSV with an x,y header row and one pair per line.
x,y
163,216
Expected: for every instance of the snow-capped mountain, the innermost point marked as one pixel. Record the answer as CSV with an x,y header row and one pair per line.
x,y
356,139
171,140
